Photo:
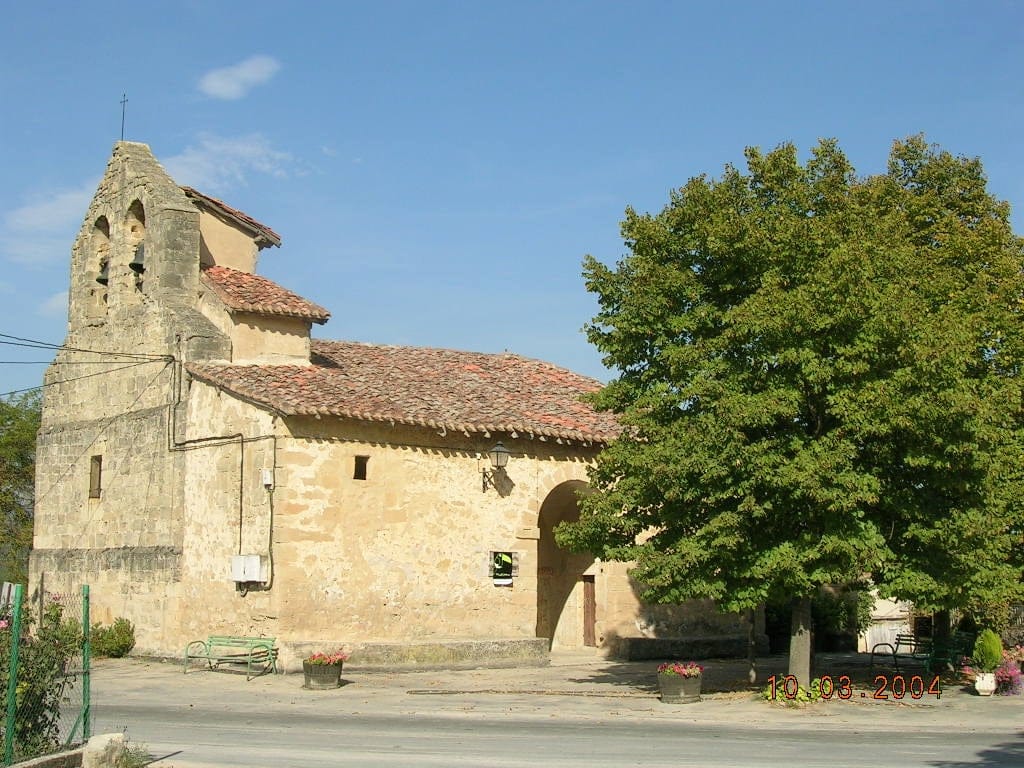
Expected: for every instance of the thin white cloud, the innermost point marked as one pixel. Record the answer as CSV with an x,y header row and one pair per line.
x,y
236,81
57,210
40,232
218,162
55,306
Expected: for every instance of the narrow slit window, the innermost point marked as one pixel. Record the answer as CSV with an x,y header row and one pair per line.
x,y
95,477
360,467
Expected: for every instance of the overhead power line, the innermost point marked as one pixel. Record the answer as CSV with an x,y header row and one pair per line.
x,y
86,376
34,344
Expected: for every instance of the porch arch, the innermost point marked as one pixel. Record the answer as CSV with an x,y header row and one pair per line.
x,y
566,582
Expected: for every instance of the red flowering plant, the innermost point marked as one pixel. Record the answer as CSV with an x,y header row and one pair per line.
x,y
681,669
1009,681
327,659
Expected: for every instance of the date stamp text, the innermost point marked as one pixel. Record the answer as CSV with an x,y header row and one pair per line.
x,y
886,687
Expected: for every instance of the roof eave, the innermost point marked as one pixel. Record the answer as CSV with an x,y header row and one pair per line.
x,y
249,310
261,234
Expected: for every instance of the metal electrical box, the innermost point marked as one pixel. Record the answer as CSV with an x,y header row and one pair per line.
x,y
249,568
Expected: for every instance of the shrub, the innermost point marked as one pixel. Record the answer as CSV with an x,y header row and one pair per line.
x,y
113,641
134,756
801,697
43,682
988,651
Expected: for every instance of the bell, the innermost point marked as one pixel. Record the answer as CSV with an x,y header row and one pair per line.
x,y
137,264
102,277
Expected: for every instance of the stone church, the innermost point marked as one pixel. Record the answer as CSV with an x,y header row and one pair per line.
x,y
209,468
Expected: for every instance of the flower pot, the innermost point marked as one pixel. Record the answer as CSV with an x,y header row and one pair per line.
x,y
985,683
321,677
679,690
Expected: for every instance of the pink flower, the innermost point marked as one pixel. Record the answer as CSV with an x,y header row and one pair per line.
x,y
336,657
681,668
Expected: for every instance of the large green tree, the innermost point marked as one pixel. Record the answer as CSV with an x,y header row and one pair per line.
x,y
19,422
819,382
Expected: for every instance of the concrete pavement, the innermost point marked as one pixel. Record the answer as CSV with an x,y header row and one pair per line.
x,y
574,686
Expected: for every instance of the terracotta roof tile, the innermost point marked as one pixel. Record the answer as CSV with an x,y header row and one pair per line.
x,y
264,235
438,388
246,292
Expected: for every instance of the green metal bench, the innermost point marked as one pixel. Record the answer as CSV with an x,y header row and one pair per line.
x,y
936,656
226,649
905,646
947,654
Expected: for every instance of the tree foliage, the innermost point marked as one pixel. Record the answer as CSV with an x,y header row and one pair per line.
x,y
819,381
19,422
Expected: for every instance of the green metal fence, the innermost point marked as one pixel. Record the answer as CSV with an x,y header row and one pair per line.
x,y
44,673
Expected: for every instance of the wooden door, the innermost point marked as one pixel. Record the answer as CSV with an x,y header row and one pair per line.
x,y
589,612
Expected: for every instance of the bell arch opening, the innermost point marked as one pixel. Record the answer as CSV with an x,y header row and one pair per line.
x,y
135,223
566,583
98,267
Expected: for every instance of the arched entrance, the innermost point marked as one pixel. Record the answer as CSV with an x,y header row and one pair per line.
x,y
566,586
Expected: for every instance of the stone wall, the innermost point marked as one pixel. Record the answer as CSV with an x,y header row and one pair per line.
x,y
125,539
400,557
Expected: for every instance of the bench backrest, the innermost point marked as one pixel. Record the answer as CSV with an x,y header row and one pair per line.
x,y
240,642
915,644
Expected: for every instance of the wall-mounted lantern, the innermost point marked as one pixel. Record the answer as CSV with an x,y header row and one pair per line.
x,y
498,456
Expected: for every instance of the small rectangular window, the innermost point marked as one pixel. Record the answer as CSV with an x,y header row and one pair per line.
x,y
95,476
360,468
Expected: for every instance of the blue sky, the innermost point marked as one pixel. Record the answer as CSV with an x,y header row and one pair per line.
x,y
437,170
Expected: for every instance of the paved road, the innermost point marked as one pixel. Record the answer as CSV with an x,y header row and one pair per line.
x,y
501,718
302,741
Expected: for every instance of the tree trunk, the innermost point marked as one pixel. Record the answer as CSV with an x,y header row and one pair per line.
x,y
800,641
941,626
752,645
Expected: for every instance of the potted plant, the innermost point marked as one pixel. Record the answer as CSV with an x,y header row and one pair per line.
x,y
988,654
680,681
323,670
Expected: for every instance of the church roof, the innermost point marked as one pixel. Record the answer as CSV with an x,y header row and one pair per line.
x,y
246,292
443,389
262,234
